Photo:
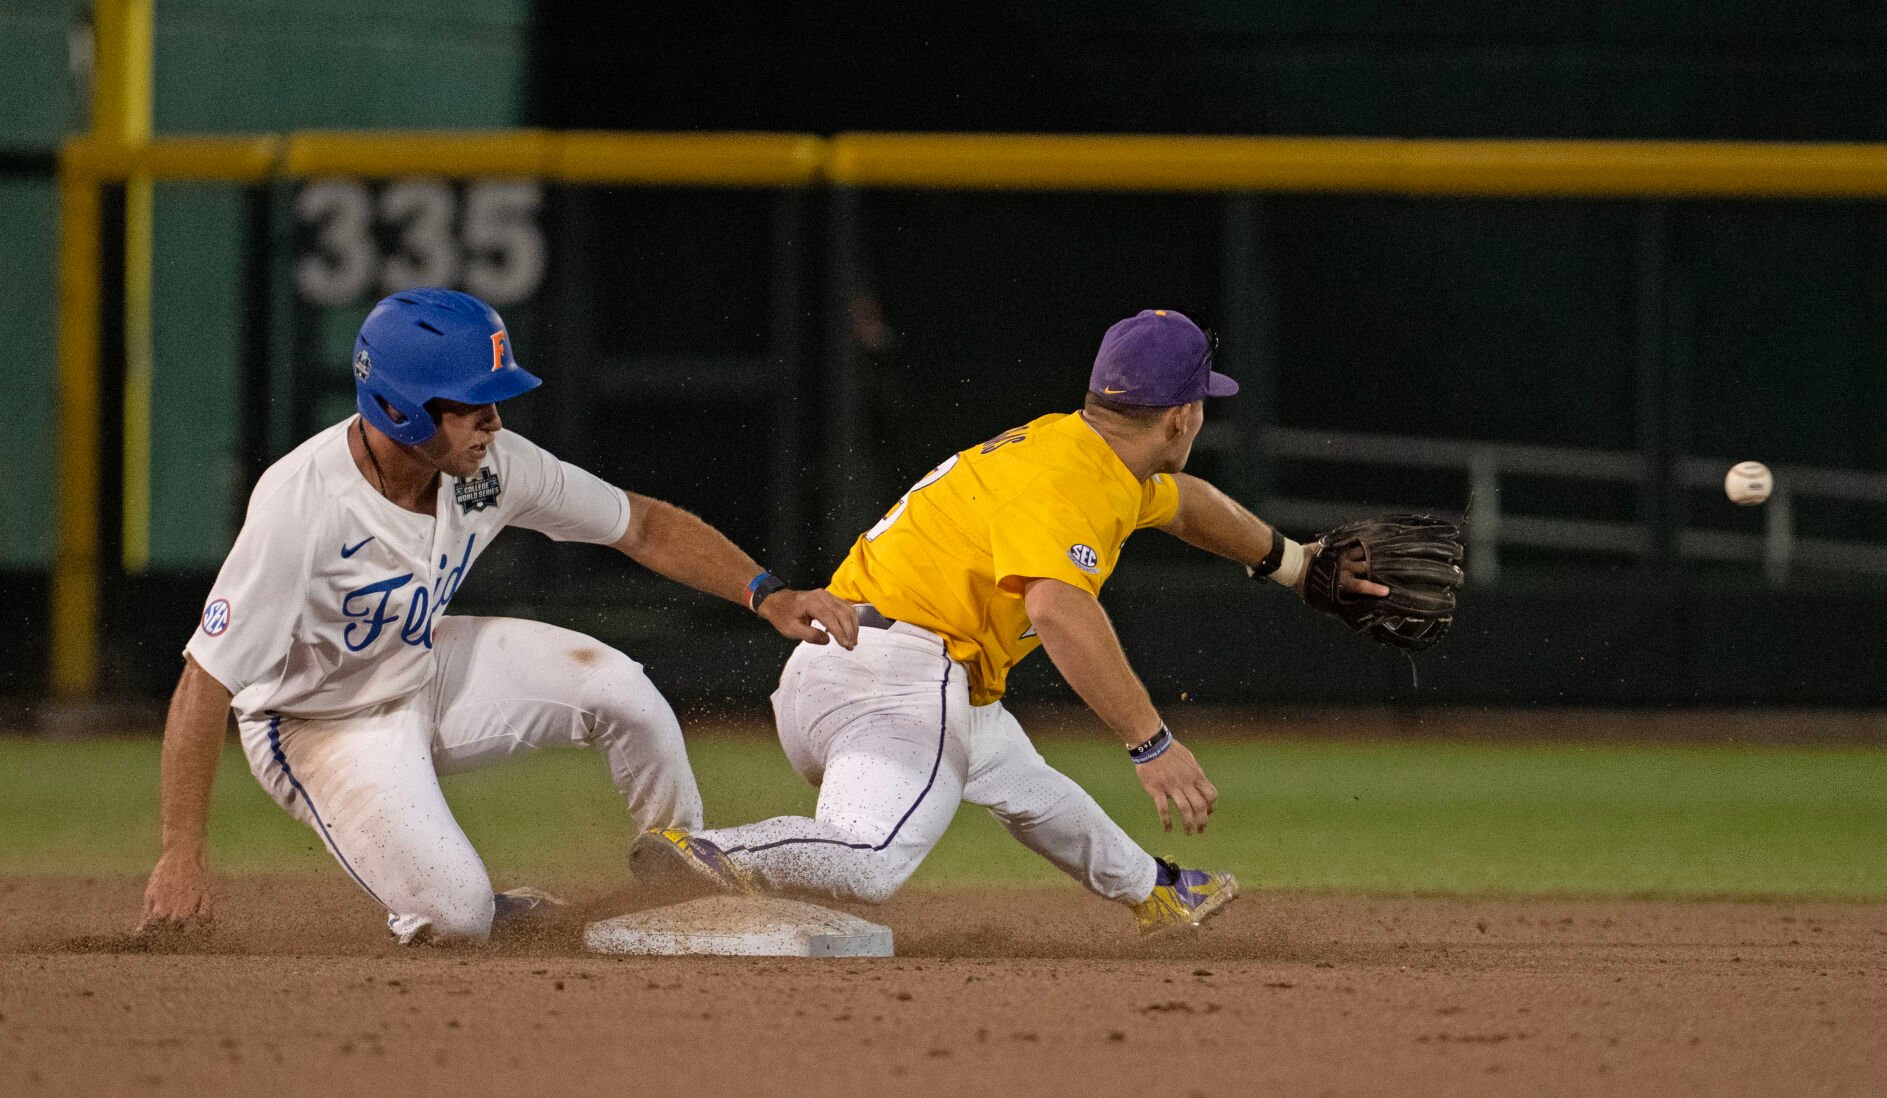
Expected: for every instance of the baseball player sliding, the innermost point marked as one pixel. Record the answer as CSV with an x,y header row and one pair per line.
x,y
1001,549
353,691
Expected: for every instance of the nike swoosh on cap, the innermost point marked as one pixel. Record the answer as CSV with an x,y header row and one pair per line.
x,y
1105,391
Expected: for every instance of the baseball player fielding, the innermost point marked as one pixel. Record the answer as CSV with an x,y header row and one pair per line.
x,y
999,550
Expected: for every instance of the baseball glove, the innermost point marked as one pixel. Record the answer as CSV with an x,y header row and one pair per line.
x,y
1418,557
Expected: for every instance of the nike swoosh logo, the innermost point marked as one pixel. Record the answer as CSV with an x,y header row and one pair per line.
x,y
1112,392
347,552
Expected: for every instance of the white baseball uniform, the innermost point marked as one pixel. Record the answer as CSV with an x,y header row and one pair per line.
x,y
896,732
888,734
353,691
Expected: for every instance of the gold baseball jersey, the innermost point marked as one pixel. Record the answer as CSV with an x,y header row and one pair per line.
x,y
1048,500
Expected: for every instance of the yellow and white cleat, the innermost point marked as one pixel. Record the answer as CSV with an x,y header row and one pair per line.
x,y
685,865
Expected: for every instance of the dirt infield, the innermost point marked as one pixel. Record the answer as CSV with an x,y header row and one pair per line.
x,y
296,991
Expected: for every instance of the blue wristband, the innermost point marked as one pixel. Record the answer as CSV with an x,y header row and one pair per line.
x,y
1155,746
760,587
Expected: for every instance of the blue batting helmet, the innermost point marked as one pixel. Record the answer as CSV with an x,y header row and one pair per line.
x,y
430,344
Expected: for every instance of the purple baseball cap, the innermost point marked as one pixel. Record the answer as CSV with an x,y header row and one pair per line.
x,y
1157,358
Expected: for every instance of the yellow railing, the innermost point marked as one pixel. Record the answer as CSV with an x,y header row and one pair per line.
x,y
627,159
1590,169
1517,169
1496,169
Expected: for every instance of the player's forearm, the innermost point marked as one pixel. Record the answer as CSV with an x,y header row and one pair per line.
x,y
1211,520
193,744
680,546
1081,641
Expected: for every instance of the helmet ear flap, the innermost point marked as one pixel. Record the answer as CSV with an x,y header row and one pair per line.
x,y
413,424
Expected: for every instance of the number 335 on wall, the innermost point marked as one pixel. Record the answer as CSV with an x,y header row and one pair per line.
x,y
355,239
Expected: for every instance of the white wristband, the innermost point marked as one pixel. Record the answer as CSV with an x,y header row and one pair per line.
x,y
1290,564
1291,568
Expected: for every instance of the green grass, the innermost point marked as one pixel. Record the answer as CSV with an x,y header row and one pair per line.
x,y
1377,817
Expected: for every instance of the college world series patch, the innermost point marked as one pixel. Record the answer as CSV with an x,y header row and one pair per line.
x,y
476,493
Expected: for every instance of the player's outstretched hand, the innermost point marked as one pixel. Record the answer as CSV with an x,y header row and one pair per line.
x,y
1175,776
794,613
1352,574
178,896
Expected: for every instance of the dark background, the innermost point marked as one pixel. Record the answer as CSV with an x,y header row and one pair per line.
x,y
1660,69
1496,320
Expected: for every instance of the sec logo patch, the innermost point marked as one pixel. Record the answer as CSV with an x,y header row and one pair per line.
x,y
216,617
1085,558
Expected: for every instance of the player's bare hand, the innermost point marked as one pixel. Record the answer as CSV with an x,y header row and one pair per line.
x,y
1176,778
178,895
794,614
1352,574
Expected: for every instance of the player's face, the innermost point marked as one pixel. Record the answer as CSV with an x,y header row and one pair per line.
x,y
457,448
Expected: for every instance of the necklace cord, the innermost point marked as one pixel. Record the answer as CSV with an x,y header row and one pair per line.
x,y
368,446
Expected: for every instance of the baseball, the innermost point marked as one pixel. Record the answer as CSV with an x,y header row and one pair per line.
x,y
1748,483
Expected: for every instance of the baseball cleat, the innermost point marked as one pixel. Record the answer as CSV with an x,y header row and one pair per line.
x,y
1183,898
685,864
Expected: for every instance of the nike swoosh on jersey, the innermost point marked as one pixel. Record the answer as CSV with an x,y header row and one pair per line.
x,y
347,552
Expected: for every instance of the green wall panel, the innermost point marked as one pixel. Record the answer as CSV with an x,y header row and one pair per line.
x,y
36,82
26,382
35,72
196,390
262,66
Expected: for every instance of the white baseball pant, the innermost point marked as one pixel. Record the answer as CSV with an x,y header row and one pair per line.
x,y
888,734
368,783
